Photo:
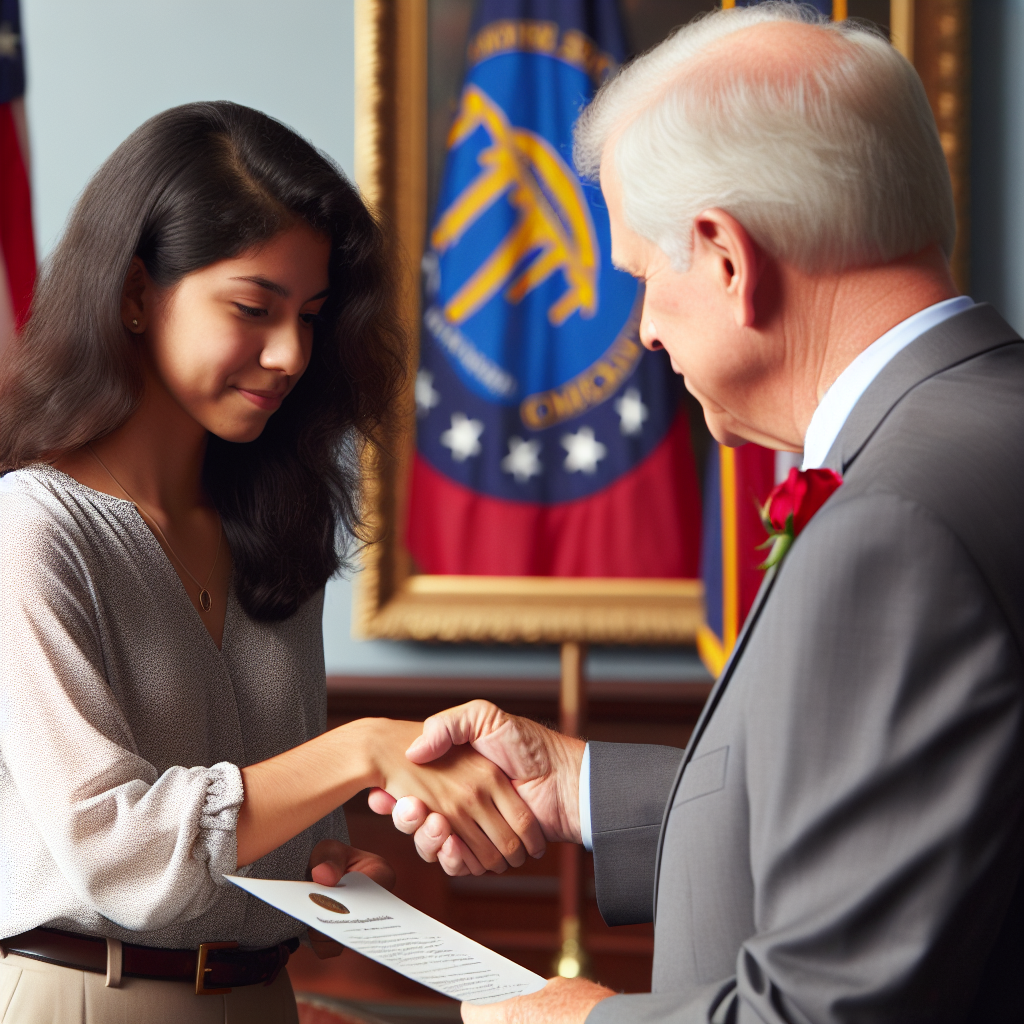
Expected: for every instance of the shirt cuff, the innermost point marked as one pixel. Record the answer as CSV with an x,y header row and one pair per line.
x,y
586,829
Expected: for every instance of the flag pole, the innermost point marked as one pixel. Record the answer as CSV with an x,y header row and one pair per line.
x,y
572,714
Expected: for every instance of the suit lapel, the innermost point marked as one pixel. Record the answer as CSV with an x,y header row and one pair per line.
x,y
709,709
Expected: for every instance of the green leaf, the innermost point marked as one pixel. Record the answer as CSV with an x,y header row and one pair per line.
x,y
781,544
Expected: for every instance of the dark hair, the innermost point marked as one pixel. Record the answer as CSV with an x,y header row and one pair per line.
x,y
197,184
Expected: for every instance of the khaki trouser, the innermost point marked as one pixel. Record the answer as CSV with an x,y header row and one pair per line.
x,y
33,992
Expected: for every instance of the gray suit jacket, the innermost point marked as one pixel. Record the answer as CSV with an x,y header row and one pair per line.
x,y
843,840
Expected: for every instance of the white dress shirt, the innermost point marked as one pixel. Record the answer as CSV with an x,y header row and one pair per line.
x,y
839,400
827,421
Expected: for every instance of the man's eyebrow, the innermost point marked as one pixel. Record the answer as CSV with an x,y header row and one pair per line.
x,y
278,289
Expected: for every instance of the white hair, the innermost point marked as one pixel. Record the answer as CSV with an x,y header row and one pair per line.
x,y
834,166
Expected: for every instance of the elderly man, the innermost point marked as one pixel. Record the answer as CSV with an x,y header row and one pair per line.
x,y
842,839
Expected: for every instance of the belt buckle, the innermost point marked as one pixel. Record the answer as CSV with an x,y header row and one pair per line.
x,y
202,970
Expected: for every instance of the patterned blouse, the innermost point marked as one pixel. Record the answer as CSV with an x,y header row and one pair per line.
x,y
123,728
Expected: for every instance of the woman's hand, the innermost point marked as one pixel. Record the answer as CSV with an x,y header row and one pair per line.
x,y
328,862
331,859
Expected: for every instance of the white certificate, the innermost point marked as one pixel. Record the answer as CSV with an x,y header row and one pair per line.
x,y
366,917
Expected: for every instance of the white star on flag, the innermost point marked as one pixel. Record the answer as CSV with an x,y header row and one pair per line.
x,y
463,438
632,412
522,461
427,396
584,451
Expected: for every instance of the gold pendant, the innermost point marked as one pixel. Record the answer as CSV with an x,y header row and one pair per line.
x,y
204,600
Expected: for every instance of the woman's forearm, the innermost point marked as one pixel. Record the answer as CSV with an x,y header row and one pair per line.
x,y
286,794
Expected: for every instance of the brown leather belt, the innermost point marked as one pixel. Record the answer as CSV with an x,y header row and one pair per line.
x,y
215,967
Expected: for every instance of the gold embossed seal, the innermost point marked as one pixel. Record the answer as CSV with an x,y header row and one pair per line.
x,y
328,904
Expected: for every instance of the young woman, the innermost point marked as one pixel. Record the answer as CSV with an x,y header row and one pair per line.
x,y
211,352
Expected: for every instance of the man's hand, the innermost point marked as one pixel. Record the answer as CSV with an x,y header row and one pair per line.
x,y
328,862
561,1001
544,767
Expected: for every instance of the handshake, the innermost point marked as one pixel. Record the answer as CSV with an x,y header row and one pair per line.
x,y
479,790
491,789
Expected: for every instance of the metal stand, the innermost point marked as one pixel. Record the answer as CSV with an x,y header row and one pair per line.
x,y
571,960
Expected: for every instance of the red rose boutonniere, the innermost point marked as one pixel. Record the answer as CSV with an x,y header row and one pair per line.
x,y
791,505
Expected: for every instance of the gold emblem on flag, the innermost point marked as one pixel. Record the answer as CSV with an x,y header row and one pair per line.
x,y
553,221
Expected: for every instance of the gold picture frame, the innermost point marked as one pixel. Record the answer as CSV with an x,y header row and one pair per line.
x,y
391,601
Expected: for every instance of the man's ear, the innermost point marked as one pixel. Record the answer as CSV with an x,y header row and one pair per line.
x,y
733,258
134,296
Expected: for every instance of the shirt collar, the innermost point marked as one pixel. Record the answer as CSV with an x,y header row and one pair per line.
x,y
839,400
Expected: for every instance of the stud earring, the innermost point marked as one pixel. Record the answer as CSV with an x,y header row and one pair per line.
x,y
135,323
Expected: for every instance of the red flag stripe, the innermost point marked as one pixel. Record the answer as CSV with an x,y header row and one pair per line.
x,y
635,528
16,239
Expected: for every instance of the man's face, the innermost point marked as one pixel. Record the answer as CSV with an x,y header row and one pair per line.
x,y
688,314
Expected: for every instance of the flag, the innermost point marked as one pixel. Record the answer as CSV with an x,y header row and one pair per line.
x,y
549,441
17,249
737,482
835,9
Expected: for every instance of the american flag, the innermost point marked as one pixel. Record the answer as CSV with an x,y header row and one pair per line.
x,y
17,249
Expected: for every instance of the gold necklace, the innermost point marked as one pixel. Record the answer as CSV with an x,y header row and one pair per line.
x,y
205,602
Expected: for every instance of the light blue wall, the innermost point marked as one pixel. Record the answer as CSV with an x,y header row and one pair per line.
x,y
98,69
997,156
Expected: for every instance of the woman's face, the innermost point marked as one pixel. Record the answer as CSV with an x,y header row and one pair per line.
x,y
230,341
